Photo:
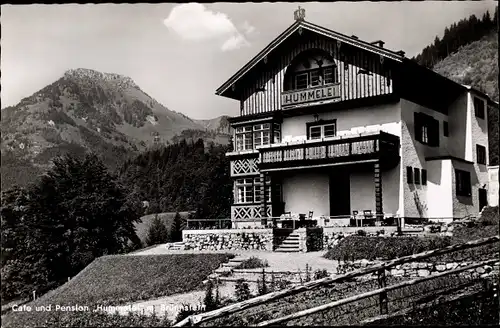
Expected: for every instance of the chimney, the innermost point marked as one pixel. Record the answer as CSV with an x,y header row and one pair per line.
x,y
401,53
378,43
354,37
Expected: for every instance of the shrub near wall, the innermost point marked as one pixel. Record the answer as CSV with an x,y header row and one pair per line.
x,y
314,239
371,248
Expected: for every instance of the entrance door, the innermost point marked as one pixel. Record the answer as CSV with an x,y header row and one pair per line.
x,y
340,193
483,198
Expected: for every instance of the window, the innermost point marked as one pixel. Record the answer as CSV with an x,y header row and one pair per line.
x,y
244,191
252,136
426,129
301,81
424,177
244,138
479,107
319,130
445,128
277,133
328,75
409,174
416,175
315,77
315,132
329,130
258,188
424,134
261,134
462,183
480,154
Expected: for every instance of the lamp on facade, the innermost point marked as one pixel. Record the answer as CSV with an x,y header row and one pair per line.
x,y
316,117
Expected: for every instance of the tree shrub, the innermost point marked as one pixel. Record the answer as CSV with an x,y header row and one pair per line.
x,y
252,263
242,290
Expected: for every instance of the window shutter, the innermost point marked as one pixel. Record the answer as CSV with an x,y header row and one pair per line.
x,y
424,177
436,132
418,127
409,174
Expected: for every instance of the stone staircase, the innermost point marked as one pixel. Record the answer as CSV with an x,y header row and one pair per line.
x,y
290,245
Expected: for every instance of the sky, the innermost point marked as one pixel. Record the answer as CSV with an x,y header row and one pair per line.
x,y
181,53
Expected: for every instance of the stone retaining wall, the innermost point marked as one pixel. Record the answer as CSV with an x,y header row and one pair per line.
x,y
333,235
228,239
423,269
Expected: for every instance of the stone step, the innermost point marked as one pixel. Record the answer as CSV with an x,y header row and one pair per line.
x,y
291,242
230,264
287,250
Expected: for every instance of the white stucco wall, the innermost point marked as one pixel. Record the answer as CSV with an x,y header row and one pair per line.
x,y
385,116
439,190
413,153
307,191
493,185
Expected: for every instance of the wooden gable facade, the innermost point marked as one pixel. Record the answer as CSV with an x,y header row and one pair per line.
x,y
360,70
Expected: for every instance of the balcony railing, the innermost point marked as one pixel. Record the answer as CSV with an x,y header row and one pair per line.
x,y
352,148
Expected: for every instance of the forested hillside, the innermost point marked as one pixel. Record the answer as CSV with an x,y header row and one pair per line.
x,y
456,36
186,176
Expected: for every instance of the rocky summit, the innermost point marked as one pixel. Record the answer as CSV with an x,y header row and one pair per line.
x,y
89,110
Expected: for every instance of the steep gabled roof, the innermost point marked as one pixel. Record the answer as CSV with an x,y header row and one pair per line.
x,y
316,29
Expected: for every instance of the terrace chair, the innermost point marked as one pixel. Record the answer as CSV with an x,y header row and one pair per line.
x,y
288,214
354,219
368,217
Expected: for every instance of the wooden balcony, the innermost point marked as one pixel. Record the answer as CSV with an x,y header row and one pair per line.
x,y
359,148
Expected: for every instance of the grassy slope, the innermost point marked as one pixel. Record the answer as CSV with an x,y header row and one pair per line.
x,y
116,279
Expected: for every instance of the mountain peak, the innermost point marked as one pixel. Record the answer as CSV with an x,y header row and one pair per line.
x,y
87,73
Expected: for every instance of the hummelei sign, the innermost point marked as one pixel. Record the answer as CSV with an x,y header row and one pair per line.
x,y
310,95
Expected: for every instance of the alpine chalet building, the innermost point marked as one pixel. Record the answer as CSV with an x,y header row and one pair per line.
x,y
335,128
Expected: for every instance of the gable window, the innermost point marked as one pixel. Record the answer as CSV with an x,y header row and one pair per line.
x,y
416,175
426,129
479,107
244,191
314,77
301,81
480,154
409,174
424,177
462,183
445,128
318,130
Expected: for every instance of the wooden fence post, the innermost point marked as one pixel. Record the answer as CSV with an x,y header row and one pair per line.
x,y
382,283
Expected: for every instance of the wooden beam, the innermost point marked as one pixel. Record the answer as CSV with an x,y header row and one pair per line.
x,y
379,291
233,308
